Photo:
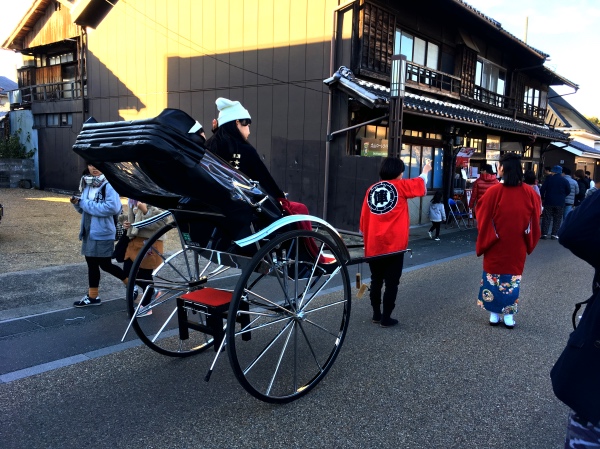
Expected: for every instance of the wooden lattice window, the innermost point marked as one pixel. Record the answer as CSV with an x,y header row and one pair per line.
x,y
469,64
378,39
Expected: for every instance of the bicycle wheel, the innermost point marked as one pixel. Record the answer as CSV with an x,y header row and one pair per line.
x,y
163,321
288,317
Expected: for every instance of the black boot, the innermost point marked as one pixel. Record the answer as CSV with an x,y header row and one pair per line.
x,y
376,312
386,320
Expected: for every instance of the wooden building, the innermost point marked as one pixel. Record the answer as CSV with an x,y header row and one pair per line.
x,y
583,151
469,84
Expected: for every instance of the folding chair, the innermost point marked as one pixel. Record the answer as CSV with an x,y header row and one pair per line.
x,y
457,214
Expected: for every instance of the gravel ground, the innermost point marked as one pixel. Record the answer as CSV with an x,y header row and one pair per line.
x,y
39,229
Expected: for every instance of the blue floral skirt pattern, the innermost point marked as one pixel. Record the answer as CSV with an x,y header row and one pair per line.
x,y
499,293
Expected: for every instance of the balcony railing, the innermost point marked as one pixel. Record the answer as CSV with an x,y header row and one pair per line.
x,y
489,97
520,109
66,90
536,112
432,79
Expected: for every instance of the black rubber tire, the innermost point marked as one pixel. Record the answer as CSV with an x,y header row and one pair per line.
x,y
314,325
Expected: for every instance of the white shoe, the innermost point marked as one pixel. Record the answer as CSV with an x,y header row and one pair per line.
x,y
430,234
437,239
509,320
494,319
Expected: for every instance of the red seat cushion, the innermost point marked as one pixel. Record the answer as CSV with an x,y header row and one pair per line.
x,y
209,296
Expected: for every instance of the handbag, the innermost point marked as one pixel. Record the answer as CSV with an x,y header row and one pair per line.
x,y
576,374
121,248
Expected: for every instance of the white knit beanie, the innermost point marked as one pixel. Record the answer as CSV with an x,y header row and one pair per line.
x,y
230,111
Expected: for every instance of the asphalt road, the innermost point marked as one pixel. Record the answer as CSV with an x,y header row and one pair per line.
x,y
441,379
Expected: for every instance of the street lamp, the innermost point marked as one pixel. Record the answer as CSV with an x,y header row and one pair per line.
x,y
397,86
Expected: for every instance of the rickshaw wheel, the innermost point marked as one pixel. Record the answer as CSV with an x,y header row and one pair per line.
x,y
288,317
158,318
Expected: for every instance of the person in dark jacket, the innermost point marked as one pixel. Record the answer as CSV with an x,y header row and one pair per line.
x,y
580,234
580,178
588,179
230,142
554,190
487,178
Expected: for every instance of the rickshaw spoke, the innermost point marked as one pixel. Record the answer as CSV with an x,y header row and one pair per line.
x,y
278,365
266,348
164,325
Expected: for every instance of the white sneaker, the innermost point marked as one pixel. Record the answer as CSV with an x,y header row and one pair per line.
x,y
430,234
509,320
437,239
494,319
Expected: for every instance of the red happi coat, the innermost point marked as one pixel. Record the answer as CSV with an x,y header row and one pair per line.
x,y
508,226
384,219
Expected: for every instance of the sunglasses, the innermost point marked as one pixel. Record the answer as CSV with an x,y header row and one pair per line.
x,y
245,122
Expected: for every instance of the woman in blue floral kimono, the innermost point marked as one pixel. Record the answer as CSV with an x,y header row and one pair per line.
x,y
508,230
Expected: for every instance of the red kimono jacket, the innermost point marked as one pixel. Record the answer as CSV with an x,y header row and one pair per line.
x,y
384,219
509,227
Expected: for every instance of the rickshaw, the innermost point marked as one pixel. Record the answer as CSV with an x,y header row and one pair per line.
x,y
237,274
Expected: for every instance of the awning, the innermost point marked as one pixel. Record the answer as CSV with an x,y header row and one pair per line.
x,y
377,96
578,149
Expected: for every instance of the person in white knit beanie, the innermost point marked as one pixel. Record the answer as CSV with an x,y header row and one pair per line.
x,y
230,142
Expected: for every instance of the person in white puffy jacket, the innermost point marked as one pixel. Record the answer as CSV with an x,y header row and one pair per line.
x,y
437,214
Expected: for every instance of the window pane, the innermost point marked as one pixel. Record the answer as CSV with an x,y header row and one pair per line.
x,y
428,154
414,169
419,51
432,56
381,132
543,100
406,46
437,167
405,156
486,76
478,70
501,82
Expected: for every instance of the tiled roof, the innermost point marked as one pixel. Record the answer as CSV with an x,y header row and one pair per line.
x,y
577,148
498,26
7,84
583,147
376,95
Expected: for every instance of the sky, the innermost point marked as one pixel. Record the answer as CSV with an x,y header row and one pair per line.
x,y
566,30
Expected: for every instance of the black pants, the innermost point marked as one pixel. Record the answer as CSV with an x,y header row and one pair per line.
x,y
96,263
435,225
554,214
386,270
143,273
